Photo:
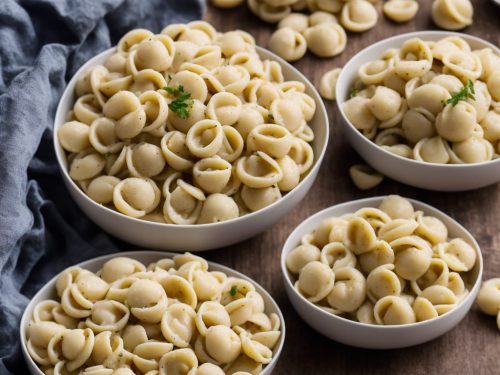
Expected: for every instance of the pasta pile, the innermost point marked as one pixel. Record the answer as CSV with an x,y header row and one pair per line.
x,y
388,265
437,102
173,317
320,31
488,298
188,126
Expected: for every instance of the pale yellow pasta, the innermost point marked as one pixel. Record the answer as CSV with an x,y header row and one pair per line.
x,y
315,281
302,255
349,289
218,207
365,177
328,84
386,265
74,136
317,17
358,15
393,310
296,21
288,43
401,10
488,298
326,39
452,14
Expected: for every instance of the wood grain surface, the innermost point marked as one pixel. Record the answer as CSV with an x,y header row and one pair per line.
x,y
474,345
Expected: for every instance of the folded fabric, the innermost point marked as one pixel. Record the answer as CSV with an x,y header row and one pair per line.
x,y
42,231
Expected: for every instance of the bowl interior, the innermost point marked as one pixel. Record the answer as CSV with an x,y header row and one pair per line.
x,y
350,72
319,124
48,292
472,278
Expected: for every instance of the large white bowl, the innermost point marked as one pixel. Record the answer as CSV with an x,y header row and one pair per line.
x,y
201,237
146,257
442,177
373,336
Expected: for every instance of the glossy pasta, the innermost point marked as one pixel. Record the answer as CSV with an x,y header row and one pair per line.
x,y
190,126
173,316
488,298
388,265
430,101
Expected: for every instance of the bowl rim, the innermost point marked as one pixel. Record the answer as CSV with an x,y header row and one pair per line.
x,y
421,34
370,202
23,322
320,112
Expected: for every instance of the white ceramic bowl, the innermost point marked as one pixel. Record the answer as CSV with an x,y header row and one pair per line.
x,y
146,257
369,335
193,238
442,177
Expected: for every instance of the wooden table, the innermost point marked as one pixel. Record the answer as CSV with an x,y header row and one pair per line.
x,y
474,345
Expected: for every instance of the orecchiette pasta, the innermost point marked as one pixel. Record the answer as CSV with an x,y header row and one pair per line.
x,y
388,265
288,43
328,84
452,14
326,39
142,320
400,10
358,15
429,101
191,126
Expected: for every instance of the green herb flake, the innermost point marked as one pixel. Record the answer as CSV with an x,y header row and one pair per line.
x,y
270,117
233,290
354,92
182,103
467,92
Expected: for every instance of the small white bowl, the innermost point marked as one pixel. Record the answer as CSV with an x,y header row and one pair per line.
x,y
198,237
442,177
146,257
373,336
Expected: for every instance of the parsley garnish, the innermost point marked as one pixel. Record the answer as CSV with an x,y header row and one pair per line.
x,y
233,290
354,92
467,92
182,103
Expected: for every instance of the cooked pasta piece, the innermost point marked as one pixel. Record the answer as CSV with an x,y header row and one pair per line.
x,y
387,265
358,15
288,44
401,10
326,39
328,84
452,14
365,177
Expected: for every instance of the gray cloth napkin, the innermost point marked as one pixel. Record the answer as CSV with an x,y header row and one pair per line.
x,y
42,231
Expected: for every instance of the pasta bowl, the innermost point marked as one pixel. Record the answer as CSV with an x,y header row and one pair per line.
x,y
440,177
148,234
146,257
374,336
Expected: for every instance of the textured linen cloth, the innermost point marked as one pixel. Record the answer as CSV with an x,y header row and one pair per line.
x,y
42,231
